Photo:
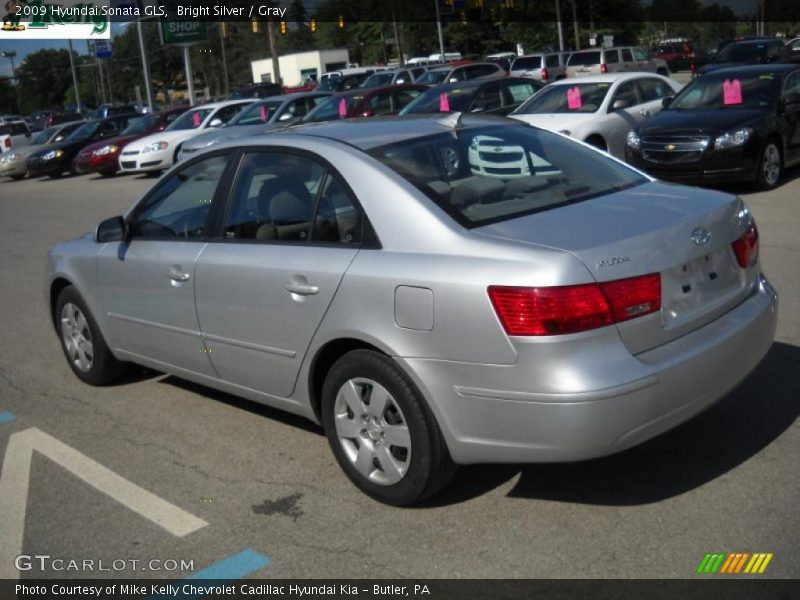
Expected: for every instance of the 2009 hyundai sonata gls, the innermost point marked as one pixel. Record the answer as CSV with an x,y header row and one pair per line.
x,y
434,291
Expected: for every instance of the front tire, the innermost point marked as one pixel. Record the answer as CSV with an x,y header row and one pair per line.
x,y
83,344
382,432
770,166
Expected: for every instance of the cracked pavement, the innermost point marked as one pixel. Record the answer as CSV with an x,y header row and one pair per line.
x,y
262,479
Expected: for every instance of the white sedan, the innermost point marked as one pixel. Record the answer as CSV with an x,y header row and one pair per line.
x,y
599,110
157,152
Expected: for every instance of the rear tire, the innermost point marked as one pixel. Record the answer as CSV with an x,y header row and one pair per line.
x,y
83,344
770,165
367,404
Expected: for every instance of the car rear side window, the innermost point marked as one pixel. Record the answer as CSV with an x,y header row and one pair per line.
x,y
179,208
527,63
483,175
552,61
612,56
626,55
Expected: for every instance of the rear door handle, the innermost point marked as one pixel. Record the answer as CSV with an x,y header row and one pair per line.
x,y
177,274
302,289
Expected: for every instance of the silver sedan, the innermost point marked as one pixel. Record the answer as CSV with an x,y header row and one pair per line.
x,y
433,291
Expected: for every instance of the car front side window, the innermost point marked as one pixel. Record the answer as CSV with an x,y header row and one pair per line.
x,y
179,208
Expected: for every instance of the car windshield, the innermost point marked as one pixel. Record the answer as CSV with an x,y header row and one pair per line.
x,y
584,58
527,63
741,53
44,136
258,112
495,173
578,98
438,100
377,79
190,120
717,91
335,107
139,125
433,77
84,131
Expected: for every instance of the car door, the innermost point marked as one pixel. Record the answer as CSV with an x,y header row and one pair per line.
x,y
488,100
621,120
652,92
627,60
642,60
403,98
612,61
146,284
290,232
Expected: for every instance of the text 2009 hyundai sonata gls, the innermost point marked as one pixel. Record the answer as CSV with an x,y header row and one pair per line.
x,y
434,291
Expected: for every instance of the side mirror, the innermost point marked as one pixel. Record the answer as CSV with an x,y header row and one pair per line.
x,y
620,104
665,102
111,230
215,123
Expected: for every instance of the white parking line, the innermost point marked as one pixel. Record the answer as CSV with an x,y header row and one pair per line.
x,y
15,478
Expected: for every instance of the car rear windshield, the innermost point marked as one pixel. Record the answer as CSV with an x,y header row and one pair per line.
x,y
583,59
190,120
259,112
488,174
578,98
527,63
377,79
436,100
718,91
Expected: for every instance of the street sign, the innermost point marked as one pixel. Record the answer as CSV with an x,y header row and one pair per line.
x,y
102,49
183,32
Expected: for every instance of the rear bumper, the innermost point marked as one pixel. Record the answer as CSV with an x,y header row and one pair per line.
x,y
609,401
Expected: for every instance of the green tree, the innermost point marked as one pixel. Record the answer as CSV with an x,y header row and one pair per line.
x,y
45,76
8,102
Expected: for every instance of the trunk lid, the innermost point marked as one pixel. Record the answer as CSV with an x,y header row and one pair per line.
x,y
650,229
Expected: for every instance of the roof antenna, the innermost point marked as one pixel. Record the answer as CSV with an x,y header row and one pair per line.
x,y
451,121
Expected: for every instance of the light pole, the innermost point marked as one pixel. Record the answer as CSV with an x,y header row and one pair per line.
x,y
10,54
78,108
439,28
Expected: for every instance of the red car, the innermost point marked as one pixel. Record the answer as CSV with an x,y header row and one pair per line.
x,y
369,102
102,157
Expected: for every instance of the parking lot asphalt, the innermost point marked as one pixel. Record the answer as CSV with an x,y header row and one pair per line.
x,y
203,476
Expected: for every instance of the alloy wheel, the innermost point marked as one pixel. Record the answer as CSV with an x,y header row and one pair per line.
x,y
77,337
771,165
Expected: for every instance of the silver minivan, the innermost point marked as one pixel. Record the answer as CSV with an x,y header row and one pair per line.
x,y
541,66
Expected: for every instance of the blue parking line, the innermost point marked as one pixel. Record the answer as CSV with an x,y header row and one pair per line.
x,y
6,417
234,567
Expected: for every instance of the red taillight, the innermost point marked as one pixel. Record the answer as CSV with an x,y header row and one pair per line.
x,y
693,67
746,247
603,68
634,297
545,74
574,308
8,142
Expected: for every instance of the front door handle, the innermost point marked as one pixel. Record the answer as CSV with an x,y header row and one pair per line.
x,y
302,289
177,274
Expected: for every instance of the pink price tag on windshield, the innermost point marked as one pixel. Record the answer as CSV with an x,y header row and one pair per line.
x,y
444,102
574,98
731,92
263,110
342,108
196,119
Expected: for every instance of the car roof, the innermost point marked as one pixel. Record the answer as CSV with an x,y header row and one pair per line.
x,y
605,78
368,92
223,103
366,134
754,69
476,83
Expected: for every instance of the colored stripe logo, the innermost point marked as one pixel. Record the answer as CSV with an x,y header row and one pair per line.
x,y
735,563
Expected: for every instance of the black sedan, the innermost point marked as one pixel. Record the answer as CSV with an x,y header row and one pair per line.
x,y
739,124
56,159
758,51
486,96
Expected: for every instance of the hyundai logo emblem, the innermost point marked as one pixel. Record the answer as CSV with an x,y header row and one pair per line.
x,y
701,236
